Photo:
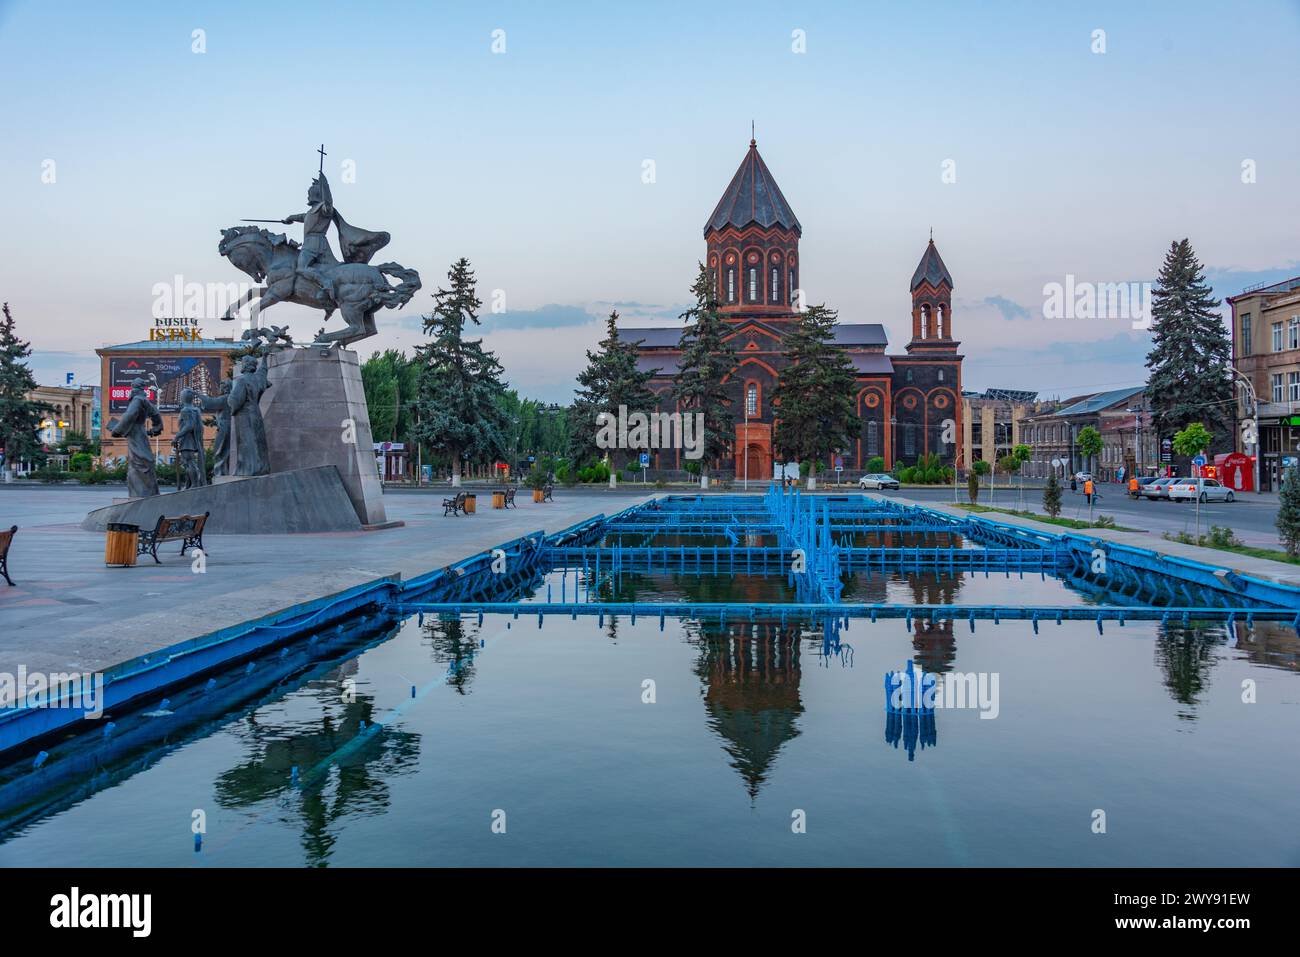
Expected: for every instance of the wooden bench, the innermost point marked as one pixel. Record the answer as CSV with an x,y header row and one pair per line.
x,y
6,539
547,489
510,496
186,529
454,505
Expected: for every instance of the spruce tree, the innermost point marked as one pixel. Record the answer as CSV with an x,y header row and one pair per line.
x,y
610,380
458,405
1189,362
20,418
814,397
1052,496
707,358
1288,512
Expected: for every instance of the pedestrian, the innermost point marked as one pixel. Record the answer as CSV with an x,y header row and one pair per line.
x,y
1074,483
1133,486
1087,490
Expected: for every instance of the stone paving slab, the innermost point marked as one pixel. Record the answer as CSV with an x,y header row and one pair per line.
x,y
71,612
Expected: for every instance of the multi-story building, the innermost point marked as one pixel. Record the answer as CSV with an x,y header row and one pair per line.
x,y
908,405
199,364
1053,433
992,422
71,409
1266,350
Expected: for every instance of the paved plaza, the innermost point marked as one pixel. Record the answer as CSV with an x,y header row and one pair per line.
x,y
71,612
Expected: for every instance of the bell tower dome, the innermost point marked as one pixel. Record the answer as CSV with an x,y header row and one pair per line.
x,y
752,242
932,303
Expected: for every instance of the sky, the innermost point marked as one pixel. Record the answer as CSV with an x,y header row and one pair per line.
x,y
521,135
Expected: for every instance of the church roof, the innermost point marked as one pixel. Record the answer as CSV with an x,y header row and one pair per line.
x,y
931,269
752,197
652,337
860,334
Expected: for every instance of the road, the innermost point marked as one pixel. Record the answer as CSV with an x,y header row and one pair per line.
x,y
1250,517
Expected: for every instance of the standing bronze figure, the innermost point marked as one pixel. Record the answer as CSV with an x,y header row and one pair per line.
x,y
139,423
191,469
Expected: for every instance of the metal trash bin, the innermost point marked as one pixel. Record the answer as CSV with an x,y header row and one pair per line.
x,y
121,545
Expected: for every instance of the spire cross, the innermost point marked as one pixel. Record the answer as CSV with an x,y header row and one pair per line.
x,y
322,153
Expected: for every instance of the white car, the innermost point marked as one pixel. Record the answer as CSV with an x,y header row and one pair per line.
x,y
877,480
1082,477
1207,490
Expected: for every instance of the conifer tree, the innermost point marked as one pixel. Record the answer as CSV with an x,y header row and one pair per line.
x,y
458,406
20,418
1052,496
814,397
1288,512
610,380
1190,378
707,358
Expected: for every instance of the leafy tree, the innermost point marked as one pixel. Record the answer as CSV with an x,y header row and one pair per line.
x,y
815,392
20,418
1190,378
1089,444
1052,496
1023,453
459,381
981,467
707,357
876,463
1192,440
610,380
973,485
1009,463
1288,512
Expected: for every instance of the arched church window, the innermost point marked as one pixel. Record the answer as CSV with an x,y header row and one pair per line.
x,y
873,438
941,328
794,282
751,399
940,375
908,376
925,322
731,284
753,284
776,285
909,439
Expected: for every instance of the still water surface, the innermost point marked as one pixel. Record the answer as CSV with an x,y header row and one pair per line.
x,y
548,730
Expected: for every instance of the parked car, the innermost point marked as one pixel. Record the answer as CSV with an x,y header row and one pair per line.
x,y
877,480
1206,489
1158,489
1082,477
1143,482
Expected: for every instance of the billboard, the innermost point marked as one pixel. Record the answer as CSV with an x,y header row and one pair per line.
x,y
174,373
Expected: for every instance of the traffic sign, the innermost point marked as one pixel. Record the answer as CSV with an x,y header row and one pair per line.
x,y
1198,461
645,460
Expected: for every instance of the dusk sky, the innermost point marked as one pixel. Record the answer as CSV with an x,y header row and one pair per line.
x,y
126,151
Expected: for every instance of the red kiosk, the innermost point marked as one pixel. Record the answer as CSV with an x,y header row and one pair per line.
x,y
1233,469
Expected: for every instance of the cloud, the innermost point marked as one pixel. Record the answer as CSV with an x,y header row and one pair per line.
x,y
1008,308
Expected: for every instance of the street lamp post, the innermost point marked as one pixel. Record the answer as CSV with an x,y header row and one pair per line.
x,y
1252,409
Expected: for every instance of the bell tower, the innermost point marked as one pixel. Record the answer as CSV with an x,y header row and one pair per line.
x,y
752,242
932,303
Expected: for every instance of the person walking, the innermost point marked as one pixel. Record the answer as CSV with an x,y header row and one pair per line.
x,y
1087,490
1133,485
1074,483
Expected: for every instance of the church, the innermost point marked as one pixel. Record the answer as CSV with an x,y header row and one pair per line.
x,y
752,255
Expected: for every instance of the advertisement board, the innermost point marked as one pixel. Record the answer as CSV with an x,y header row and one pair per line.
x,y
174,373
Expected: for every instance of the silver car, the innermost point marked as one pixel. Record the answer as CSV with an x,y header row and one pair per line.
x,y
1205,489
877,480
1158,489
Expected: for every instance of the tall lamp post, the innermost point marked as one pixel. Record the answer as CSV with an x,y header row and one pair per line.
x,y
1252,410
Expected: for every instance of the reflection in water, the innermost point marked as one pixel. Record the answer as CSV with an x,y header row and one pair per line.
x,y
750,675
1269,643
343,769
909,730
452,645
1185,653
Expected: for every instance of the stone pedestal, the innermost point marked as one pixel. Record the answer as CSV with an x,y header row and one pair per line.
x,y
315,413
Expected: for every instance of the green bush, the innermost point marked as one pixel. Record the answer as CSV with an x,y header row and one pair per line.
x,y
1104,521
876,464
693,466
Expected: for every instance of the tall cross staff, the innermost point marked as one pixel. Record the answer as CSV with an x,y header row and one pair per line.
x,y
322,153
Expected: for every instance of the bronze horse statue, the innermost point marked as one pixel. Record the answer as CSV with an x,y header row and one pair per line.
x,y
358,290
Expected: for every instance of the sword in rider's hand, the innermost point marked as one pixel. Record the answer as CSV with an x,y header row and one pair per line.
x,y
280,221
